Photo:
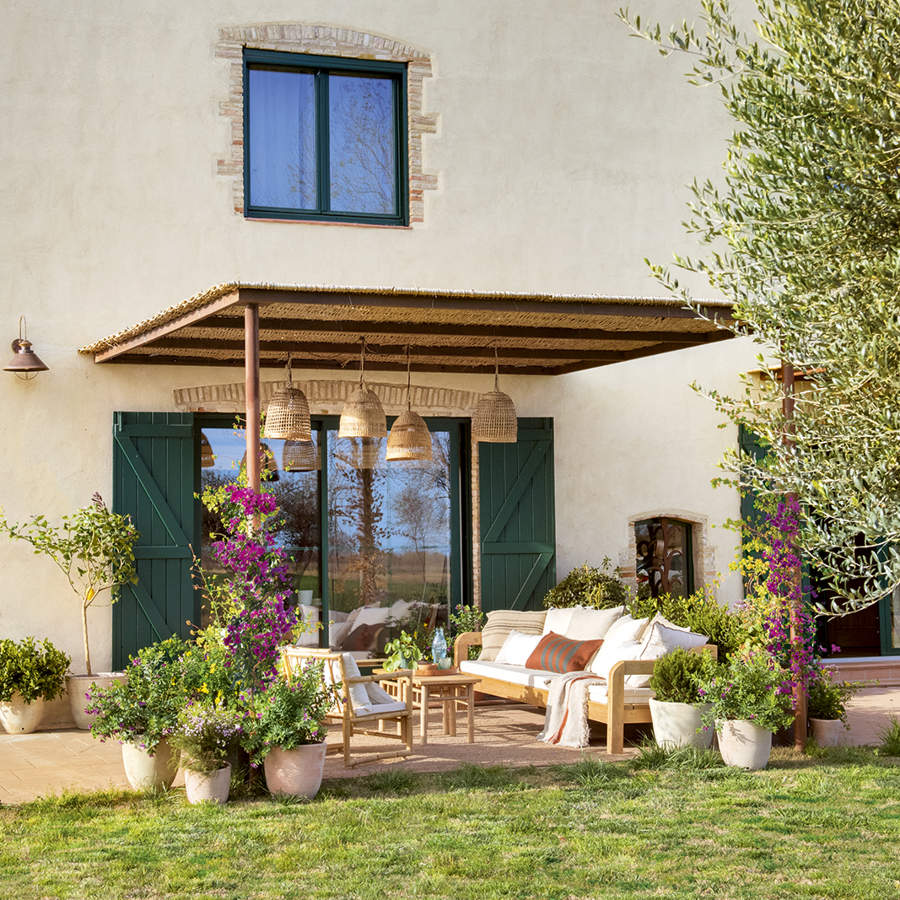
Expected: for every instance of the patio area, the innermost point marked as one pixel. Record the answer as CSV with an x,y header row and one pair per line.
x,y
54,762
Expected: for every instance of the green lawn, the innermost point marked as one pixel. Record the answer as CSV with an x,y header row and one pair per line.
x,y
822,827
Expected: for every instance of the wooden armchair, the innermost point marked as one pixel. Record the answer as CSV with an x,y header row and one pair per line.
x,y
357,717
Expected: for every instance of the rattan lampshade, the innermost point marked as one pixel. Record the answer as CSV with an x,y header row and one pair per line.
x,y
269,467
287,418
207,458
409,439
299,456
363,415
494,420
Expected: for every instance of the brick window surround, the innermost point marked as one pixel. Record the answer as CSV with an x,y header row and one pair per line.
x,y
325,40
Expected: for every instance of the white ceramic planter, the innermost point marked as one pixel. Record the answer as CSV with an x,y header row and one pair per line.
x,y
296,773
679,725
208,787
79,685
147,773
743,744
830,732
19,717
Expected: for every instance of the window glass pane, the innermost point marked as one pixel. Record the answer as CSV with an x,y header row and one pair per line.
x,y
388,542
661,563
362,145
282,139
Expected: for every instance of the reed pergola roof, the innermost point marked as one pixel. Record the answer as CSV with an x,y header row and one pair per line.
x,y
447,331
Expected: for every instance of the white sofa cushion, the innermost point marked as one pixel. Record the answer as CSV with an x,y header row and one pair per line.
x,y
591,624
626,628
558,620
500,622
517,648
612,652
660,640
503,672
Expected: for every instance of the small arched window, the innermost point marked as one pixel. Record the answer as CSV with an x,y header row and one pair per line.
x,y
664,561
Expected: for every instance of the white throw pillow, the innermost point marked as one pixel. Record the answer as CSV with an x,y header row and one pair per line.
x,y
591,624
517,648
358,693
625,628
660,640
558,620
610,653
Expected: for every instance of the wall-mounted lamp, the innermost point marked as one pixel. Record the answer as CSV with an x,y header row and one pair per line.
x,y
25,362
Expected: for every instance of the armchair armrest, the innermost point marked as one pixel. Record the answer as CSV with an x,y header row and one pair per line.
x,y
462,643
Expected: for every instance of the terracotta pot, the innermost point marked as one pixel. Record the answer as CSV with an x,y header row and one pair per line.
x,y
830,732
19,717
678,725
148,773
296,773
743,744
79,685
208,786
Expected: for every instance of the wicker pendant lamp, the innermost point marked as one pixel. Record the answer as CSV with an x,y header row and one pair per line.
x,y
363,415
299,456
269,465
494,421
287,418
207,458
410,439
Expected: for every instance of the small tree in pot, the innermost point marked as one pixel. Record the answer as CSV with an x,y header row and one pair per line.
x,y
30,674
288,736
676,707
94,549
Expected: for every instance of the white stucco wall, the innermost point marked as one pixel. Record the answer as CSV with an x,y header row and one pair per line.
x,y
563,151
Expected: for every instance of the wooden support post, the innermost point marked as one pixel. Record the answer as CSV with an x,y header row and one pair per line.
x,y
251,390
787,405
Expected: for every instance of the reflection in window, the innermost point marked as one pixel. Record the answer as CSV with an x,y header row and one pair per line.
x,y
664,563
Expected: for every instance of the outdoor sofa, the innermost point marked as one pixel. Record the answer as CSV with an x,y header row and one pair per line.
x,y
621,700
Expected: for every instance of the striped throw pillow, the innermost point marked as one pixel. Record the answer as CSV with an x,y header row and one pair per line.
x,y
500,622
556,653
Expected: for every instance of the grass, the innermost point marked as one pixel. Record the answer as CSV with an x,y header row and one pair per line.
x,y
663,825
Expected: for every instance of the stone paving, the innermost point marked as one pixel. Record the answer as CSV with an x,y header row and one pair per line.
x,y
53,762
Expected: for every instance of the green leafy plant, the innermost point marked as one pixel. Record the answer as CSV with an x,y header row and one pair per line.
x,y
36,670
207,734
703,614
749,688
466,619
94,549
890,739
590,586
289,714
144,708
827,698
403,652
676,676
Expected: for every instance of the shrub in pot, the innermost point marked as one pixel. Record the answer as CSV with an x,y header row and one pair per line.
x,y
288,736
206,735
141,712
747,704
94,549
30,674
827,708
676,707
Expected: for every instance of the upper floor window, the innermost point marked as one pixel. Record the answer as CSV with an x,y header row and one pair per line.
x,y
664,556
324,138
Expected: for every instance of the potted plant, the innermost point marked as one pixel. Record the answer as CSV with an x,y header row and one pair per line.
x,y
141,712
677,707
289,735
403,652
827,708
205,736
31,673
94,549
747,703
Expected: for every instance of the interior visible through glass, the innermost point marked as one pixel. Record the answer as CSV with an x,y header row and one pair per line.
x,y
661,563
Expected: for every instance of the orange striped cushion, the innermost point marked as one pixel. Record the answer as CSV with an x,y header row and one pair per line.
x,y
556,653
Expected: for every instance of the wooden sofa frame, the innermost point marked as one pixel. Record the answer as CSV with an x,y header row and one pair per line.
x,y
615,713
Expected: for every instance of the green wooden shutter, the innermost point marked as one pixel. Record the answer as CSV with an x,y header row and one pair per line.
x,y
155,476
518,529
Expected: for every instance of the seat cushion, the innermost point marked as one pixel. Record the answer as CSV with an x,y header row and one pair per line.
x,y
513,674
597,693
555,653
500,622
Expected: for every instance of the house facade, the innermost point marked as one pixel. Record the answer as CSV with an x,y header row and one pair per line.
x,y
504,152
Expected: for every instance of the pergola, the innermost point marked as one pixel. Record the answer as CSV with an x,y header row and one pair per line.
x,y
259,325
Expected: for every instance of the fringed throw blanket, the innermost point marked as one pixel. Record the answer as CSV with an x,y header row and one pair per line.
x,y
566,722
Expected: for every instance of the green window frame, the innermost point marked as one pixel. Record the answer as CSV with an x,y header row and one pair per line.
x,y
321,67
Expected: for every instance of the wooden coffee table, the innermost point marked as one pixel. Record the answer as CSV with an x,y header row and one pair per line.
x,y
447,691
